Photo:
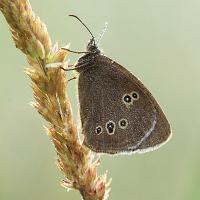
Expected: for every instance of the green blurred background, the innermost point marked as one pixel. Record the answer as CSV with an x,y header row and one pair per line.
x,y
159,41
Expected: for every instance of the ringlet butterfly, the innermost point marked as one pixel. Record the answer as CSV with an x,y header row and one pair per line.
x,y
118,113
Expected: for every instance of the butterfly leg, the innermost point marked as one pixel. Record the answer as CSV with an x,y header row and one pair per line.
x,y
77,52
68,66
73,78
76,67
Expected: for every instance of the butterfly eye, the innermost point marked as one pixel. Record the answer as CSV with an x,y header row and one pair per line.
x,y
110,127
99,130
123,123
135,95
127,99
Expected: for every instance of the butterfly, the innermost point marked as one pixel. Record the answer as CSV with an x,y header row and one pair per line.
x,y
118,113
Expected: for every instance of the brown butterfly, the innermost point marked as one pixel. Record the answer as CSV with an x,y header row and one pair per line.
x,y
118,113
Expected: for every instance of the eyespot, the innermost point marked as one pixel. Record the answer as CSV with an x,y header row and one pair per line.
x,y
135,95
123,123
110,127
99,130
127,99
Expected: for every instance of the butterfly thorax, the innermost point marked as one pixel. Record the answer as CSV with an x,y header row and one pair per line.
x,y
89,58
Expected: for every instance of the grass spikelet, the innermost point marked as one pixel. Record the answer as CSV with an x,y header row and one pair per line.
x,y
76,161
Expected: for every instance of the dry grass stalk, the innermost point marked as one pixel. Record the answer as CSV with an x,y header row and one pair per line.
x,y
49,88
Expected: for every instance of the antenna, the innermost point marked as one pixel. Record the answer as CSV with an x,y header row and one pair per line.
x,y
102,32
83,25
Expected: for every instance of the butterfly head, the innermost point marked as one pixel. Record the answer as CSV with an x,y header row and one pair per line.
x,y
92,47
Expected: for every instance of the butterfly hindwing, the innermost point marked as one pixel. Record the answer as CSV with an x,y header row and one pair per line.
x,y
118,113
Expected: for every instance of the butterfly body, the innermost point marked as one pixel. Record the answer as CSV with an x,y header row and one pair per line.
x,y
118,113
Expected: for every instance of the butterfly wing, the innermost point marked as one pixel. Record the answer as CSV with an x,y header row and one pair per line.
x,y
118,113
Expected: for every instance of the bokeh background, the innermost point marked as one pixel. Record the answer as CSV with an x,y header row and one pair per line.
x,y
159,41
